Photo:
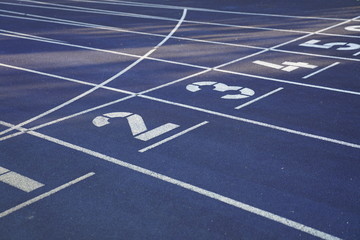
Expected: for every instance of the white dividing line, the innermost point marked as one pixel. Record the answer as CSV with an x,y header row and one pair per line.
x,y
321,70
201,191
259,98
19,181
173,137
31,36
106,12
103,83
140,4
356,54
271,126
44,195
63,78
289,82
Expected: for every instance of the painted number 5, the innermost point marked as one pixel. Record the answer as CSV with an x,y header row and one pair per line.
x,y
343,45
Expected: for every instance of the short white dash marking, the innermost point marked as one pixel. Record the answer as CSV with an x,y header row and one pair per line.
x,y
44,195
20,182
259,98
356,54
321,70
173,137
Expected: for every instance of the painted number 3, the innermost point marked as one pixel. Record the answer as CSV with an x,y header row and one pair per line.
x,y
221,87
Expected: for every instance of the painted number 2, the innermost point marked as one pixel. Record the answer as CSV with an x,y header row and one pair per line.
x,y
342,46
136,123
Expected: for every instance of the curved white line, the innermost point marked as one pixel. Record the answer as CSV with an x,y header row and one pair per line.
x,y
103,83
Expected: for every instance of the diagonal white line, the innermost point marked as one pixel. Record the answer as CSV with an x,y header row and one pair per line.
x,y
172,137
103,83
259,98
44,195
193,188
321,70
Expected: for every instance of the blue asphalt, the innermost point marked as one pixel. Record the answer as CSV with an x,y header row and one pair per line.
x,y
293,154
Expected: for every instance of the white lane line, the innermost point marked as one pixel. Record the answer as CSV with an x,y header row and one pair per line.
x,y
356,54
201,191
173,137
259,98
86,10
103,83
271,126
115,52
141,4
62,78
44,195
289,82
20,182
321,70
31,36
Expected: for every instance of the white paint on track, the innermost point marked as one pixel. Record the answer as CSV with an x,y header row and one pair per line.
x,y
44,195
259,98
141,4
321,70
103,83
173,137
190,187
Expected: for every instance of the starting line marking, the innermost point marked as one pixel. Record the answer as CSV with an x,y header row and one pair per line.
x,y
44,195
320,70
259,98
172,137
18,181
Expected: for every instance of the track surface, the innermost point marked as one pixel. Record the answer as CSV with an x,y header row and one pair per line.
x,y
179,120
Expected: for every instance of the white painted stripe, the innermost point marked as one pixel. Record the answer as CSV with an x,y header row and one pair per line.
x,y
62,78
157,131
96,26
289,82
321,70
271,126
140,4
3,170
172,137
103,83
44,195
20,182
356,54
267,64
259,98
31,36
100,11
201,191
86,10
317,55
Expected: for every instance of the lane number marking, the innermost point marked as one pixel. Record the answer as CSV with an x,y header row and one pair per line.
x,y
136,123
287,66
355,28
344,46
221,87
